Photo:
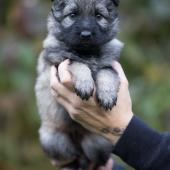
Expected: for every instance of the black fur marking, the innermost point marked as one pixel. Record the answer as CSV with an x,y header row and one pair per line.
x,y
83,94
116,2
107,106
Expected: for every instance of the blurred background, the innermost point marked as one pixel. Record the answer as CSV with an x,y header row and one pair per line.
x,y
145,30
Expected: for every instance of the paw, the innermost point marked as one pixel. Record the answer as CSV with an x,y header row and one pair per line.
x,y
58,146
82,80
106,99
107,85
97,149
84,88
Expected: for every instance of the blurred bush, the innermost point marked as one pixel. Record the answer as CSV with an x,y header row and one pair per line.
x,y
145,29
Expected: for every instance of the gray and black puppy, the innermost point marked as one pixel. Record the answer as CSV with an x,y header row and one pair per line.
x,y
83,31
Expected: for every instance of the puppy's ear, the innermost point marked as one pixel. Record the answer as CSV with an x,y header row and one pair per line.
x,y
58,3
116,2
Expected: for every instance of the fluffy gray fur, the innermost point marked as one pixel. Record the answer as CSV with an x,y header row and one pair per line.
x,y
83,31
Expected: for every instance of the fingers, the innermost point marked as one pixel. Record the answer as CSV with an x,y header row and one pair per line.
x,y
64,75
57,87
109,165
120,72
67,105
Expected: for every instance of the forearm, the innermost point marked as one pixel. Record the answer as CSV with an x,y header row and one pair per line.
x,y
116,129
143,148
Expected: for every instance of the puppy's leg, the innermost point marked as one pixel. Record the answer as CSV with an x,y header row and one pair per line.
x,y
56,56
54,133
82,78
107,86
57,145
54,119
97,149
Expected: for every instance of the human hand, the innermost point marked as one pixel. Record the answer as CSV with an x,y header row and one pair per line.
x,y
111,124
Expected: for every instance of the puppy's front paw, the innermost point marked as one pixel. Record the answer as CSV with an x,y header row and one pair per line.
x,y
106,99
84,88
107,88
82,79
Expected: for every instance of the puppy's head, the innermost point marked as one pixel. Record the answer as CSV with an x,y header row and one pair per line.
x,y
84,23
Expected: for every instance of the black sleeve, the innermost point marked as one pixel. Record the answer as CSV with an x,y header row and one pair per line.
x,y
143,148
118,167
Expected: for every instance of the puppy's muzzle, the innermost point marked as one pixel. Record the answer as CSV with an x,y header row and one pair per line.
x,y
86,34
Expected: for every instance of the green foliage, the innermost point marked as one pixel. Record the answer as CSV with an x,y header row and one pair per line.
x,y
145,29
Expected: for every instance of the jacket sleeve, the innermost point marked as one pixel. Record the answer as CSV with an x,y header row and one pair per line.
x,y
143,148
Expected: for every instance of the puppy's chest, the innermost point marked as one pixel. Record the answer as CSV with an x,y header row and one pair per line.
x,y
95,61
94,57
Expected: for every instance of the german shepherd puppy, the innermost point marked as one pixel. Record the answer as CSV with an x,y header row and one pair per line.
x,y
83,31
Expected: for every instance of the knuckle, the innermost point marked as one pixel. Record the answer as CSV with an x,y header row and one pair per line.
x,y
74,114
66,82
76,102
53,88
53,84
125,82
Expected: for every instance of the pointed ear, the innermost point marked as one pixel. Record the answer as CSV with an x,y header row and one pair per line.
x,y
58,3
116,2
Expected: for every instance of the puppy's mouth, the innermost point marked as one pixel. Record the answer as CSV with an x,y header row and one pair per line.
x,y
86,48
86,43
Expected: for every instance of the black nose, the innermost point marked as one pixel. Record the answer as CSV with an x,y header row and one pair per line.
x,y
86,34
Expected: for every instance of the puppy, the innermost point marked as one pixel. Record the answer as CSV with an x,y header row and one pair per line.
x,y
83,31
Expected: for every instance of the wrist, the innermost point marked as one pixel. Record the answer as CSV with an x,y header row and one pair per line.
x,y
117,129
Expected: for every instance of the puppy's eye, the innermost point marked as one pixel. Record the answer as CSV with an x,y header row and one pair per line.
x,y
99,16
73,15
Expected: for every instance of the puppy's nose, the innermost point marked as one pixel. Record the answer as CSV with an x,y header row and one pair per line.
x,y
86,34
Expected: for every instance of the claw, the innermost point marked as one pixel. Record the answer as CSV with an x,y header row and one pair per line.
x,y
107,105
84,95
